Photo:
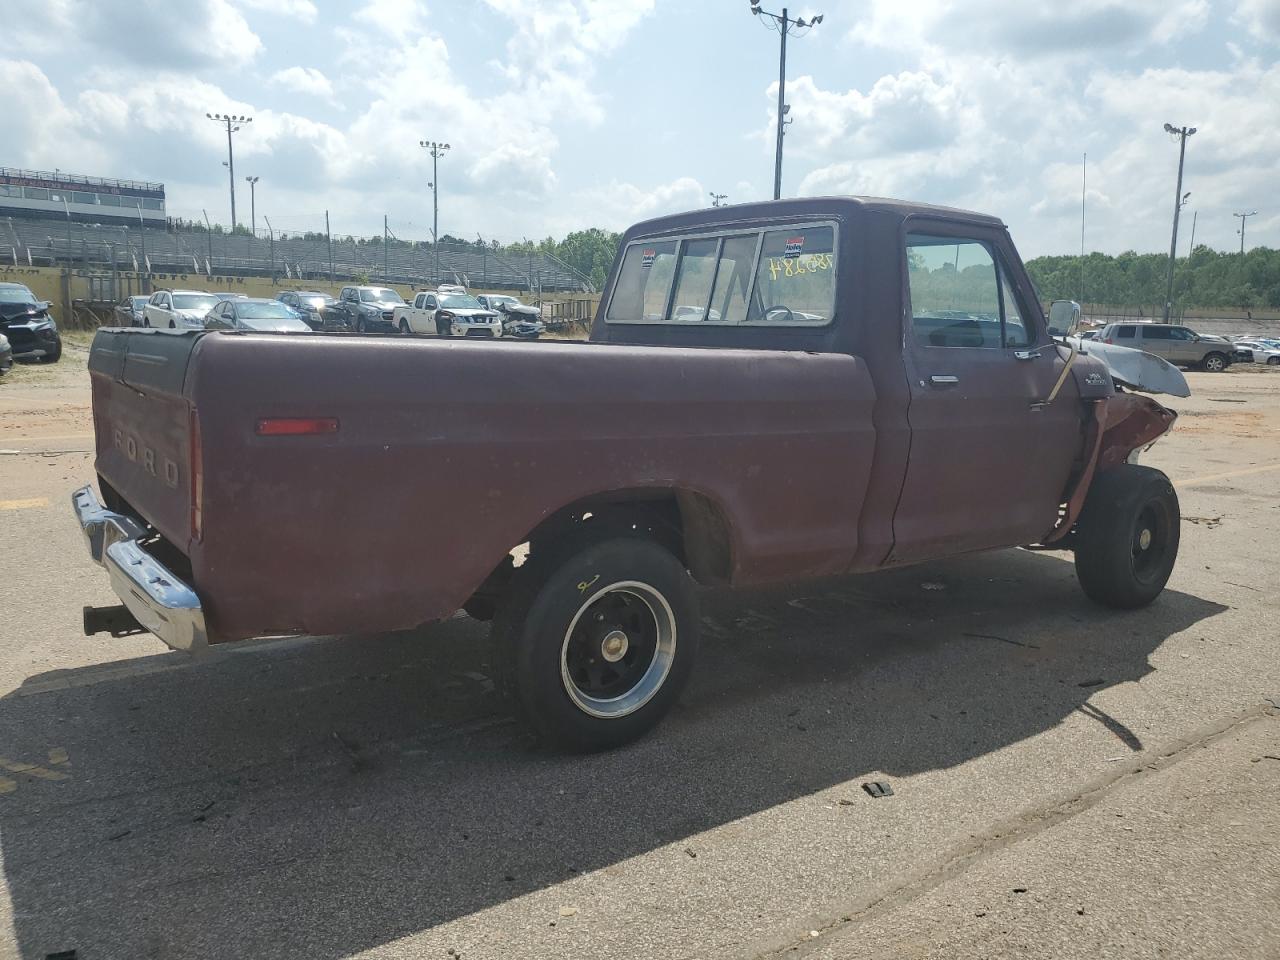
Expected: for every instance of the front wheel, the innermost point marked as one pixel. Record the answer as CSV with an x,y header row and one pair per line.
x,y
598,642
1273,361
360,326
1214,363
1127,536
404,327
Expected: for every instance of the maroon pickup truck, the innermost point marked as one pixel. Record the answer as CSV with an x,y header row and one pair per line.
x,y
772,392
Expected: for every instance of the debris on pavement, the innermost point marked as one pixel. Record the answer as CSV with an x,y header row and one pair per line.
x,y
878,788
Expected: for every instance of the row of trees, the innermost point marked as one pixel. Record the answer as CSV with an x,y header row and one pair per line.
x,y
1208,278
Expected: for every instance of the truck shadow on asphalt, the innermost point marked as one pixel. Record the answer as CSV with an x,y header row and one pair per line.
x,y
323,797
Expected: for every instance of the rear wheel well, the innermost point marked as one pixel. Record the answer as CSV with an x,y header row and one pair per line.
x,y
689,525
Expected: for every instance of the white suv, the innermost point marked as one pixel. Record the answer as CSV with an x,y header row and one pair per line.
x,y
178,309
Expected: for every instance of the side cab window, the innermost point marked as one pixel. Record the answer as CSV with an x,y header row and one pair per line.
x,y
420,301
430,302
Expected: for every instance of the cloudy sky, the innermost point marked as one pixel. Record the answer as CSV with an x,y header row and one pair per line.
x,y
571,113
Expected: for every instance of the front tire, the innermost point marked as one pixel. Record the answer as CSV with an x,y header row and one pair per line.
x,y
598,641
404,327
1273,361
57,352
1127,537
1214,363
360,326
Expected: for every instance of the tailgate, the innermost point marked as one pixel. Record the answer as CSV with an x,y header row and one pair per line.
x,y
142,423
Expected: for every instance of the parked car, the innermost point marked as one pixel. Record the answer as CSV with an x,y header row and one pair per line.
x,y
448,314
28,325
369,309
851,356
319,310
180,309
255,314
6,355
1258,351
518,319
1180,346
129,311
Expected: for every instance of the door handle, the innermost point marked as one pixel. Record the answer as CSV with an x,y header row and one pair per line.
x,y
944,379
1027,354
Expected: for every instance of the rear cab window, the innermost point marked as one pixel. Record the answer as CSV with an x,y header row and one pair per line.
x,y
780,276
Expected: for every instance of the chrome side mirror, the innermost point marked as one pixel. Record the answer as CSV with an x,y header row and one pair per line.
x,y
1064,318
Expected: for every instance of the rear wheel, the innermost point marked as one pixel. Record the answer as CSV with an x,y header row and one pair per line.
x,y
1127,537
597,641
1214,363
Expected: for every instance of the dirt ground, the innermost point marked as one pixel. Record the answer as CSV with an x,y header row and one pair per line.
x,y
1068,781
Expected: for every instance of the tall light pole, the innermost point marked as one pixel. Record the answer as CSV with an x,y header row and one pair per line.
x,y
438,150
718,199
1244,218
784,25
233,124
1181,133
253,204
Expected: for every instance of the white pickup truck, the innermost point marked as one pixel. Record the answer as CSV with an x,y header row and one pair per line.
x,y
448,312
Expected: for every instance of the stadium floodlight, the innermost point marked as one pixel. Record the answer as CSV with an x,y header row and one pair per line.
x,y
784,25
231,122
253,204
437,151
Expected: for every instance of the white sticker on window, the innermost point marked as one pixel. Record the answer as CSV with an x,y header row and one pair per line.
x,y
794,247
647,258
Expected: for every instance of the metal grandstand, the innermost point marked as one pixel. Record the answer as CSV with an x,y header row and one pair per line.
x,y
34,241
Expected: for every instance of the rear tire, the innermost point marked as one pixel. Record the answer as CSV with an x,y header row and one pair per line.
x,y
1126,539
1214,363
596,640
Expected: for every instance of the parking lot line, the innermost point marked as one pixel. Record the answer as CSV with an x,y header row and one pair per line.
x,y
1194,481
27,504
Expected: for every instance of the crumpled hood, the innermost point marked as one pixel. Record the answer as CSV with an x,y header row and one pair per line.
x,y
22,312
1136,368
523,311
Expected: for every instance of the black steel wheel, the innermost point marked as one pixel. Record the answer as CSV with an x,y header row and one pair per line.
x,y
1127,537
597,642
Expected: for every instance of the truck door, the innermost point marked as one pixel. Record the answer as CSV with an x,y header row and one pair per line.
x,y
987,465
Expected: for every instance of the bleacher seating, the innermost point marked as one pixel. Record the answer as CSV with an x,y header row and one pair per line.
x,y
93,246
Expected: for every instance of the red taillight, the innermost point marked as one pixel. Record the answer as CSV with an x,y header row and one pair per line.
x,y
296,426
197,478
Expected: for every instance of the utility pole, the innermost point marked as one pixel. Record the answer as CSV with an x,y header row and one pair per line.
x,y
1244,218
231,159
1181,133
718,199
1084,192
438,150
273,247
386,273
1192,249
253,205
329,240
784,25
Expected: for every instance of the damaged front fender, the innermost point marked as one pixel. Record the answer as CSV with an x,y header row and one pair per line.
x,y
1122,424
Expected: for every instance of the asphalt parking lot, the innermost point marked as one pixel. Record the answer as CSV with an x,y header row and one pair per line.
x,y
1068,781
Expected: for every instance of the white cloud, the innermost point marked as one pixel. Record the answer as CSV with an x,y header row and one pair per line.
x,y
307,80
303,10
1261,17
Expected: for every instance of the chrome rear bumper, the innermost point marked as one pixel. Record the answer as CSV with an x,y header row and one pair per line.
x,y
160,601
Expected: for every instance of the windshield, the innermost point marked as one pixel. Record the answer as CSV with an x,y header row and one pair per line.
x,y
270,310
16,295
194,301
380,295
459,301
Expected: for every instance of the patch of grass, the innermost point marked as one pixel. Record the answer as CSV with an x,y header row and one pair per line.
x,y
78,338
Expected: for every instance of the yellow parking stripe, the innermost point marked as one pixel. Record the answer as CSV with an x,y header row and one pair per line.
x,y
27,504
1196,481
